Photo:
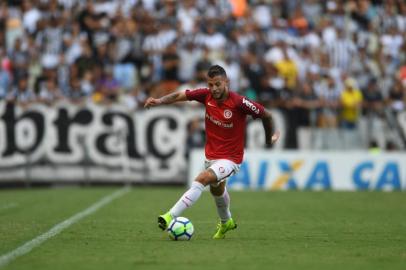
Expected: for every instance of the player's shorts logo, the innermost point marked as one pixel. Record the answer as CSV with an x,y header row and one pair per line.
x,y
221,169
228,114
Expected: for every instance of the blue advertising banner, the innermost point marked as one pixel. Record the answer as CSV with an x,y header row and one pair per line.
x,y
308,170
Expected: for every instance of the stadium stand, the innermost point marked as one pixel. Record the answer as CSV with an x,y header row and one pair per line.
x,y
336,69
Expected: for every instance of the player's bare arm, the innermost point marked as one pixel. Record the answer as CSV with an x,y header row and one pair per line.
x,y
270,136
168,99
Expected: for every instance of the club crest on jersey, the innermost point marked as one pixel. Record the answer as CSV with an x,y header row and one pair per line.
x,y
221,170
250,105
228,114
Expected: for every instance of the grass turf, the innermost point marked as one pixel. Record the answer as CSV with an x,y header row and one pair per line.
x,y
279,230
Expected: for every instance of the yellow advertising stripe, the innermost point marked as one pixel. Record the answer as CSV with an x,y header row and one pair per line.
x,y
284,178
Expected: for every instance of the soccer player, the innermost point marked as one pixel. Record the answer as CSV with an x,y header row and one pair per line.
x,y
225,122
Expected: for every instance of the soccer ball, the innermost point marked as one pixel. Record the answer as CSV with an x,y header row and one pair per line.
x,y
180,228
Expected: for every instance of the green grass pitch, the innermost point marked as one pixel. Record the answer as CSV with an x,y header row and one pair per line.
x,y
276,230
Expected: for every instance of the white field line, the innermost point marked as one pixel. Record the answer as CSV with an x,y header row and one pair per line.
x,y
8,206
37,241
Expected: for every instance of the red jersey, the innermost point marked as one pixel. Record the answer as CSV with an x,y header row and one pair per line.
x,y
225,123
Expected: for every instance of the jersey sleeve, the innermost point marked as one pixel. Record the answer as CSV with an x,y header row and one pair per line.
x,y
250,107
197,94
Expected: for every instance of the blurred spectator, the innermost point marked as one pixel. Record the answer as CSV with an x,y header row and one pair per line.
x,y
73,41
351,102
298,21
19,59
341,50
262,14
203,65
234,73
49,92
195,135
31,15
5,80
396,98
107,88
85,62
135,99
391,146
189,56
253,70
373,147
86,85
63,74
239,7
188,16
373,109
287,69
75,93
125,74
363,68
169,72
373,101
214,40
283,53
21,94
312,10
329,96
307,104
272,85
170,64
392,42
402,73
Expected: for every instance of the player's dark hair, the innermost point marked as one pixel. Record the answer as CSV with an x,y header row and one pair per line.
x,y
216,70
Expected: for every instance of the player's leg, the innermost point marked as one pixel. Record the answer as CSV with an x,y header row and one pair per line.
x,y
222,200
223,169
188,198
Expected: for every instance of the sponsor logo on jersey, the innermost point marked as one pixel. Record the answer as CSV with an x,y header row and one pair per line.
x,y
249,104
211,104
228,114
218,122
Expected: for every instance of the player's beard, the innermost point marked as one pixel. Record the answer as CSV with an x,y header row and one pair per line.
x,y
220,95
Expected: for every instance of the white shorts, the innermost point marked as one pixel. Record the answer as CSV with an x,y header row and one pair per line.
x,y
223,168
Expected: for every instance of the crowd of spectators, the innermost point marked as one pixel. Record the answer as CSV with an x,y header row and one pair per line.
x,y
335,58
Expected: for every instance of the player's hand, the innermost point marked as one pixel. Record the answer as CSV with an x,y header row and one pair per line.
x,y
274,139
151,102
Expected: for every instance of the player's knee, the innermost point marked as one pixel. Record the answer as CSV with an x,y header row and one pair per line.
x,y
217,190
206,177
